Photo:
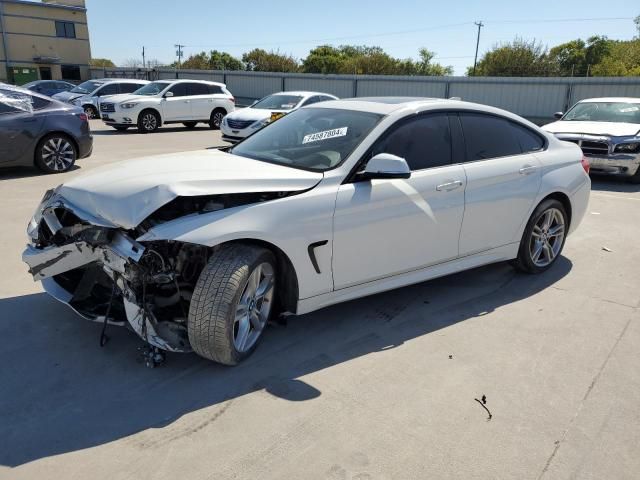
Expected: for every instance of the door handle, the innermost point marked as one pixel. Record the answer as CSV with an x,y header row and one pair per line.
x,y
449,186
528,169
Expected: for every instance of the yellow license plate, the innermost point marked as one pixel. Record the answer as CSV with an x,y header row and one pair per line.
x,y
276,115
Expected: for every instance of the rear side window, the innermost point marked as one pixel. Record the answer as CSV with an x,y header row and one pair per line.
x,y
487,137
197,89
179,90
529,141
215,90
39,103
424,142
129,87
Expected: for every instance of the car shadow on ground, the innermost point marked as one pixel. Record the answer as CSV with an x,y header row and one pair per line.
x,y
167,129
62,393
12,173
611,184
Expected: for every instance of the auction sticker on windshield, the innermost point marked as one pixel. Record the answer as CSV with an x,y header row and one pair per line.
x,y
315,137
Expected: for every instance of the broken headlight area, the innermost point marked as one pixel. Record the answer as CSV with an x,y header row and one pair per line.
x,y
106,276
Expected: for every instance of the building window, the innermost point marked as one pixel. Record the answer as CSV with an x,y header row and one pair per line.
x,y
65,29
70,72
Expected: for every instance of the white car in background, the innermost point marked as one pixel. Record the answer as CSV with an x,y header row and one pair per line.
x,y
244,122
169,101
339,200
608,132
89,94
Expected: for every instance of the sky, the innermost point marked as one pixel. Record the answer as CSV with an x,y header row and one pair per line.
x,y
120,28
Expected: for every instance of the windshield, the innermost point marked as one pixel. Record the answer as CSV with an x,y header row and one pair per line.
x,y
86,87
604,112
310,138
153,88
278,102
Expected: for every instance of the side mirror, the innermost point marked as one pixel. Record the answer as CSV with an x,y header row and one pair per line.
x,y
385,165
558,115
168,95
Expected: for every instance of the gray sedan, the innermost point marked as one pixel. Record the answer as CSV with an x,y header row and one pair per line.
x,y
37,130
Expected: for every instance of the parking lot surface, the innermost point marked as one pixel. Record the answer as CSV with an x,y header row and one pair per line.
x,y
388,386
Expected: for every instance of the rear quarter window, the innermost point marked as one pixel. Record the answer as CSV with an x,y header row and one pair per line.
x,y
488,137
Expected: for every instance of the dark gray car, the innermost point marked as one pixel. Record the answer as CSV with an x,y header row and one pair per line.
x,y
37,130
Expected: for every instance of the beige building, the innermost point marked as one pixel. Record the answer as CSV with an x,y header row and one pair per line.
x,y
43,40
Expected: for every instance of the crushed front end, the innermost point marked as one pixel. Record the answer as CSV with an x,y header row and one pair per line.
x,y
105,275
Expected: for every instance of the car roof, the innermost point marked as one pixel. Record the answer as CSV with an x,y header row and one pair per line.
x,y
611,100
185,80
303,93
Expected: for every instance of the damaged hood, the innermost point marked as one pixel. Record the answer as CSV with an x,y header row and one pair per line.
x,y
614,129
125,193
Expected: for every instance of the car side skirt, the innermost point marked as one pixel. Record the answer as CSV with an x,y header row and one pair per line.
x,y
499,254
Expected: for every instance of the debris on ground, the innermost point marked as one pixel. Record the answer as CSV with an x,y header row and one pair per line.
x,y
483,403
607,249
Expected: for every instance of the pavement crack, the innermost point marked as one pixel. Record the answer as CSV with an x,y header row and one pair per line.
x,y
584,399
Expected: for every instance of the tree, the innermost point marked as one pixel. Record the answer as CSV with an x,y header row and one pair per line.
x,y
637,22
259,60
570,58
214,60
424,66
520,58
101,62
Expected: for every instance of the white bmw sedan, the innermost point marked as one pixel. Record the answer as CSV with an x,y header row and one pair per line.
x,y
198,250
242,123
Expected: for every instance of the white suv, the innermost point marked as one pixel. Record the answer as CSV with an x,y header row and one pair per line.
x,y
169,101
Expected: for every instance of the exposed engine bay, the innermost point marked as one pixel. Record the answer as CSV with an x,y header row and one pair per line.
x,y
107,276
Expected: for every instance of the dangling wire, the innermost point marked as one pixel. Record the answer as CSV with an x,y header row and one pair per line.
x,y
103,336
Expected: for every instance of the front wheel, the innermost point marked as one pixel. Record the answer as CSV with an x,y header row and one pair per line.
x,y
231,303
148,121
543,238
91,111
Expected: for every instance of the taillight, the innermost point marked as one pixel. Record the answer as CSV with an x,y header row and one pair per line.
x,y
585,164
83,117
233,100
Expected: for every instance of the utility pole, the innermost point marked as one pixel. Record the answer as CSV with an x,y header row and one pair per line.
x,y
144,64
475,59
179,53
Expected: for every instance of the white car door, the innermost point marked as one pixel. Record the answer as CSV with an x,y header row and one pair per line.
x,y
388,227
503,180
177,107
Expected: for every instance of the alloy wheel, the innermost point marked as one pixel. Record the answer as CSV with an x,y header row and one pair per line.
x,y
254,307
58,154
547,237
149,122
217,119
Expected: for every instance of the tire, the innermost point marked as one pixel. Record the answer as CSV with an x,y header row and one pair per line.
x,y
215,120
91,111
233,278
56,153
121,128
635,179
148,121
190,125
543,238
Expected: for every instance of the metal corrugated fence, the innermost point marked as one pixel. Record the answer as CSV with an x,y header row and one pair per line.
x,y
533,98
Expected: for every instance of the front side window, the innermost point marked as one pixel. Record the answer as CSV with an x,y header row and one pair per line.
x,y
315,139
65,29
197,89
424,142
179,90
487,137
604,112
109,89
278,102
153,88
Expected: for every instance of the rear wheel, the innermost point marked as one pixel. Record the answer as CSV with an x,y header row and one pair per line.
x,y
231,303
148,121
216,118
543,238
56,153
190,124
